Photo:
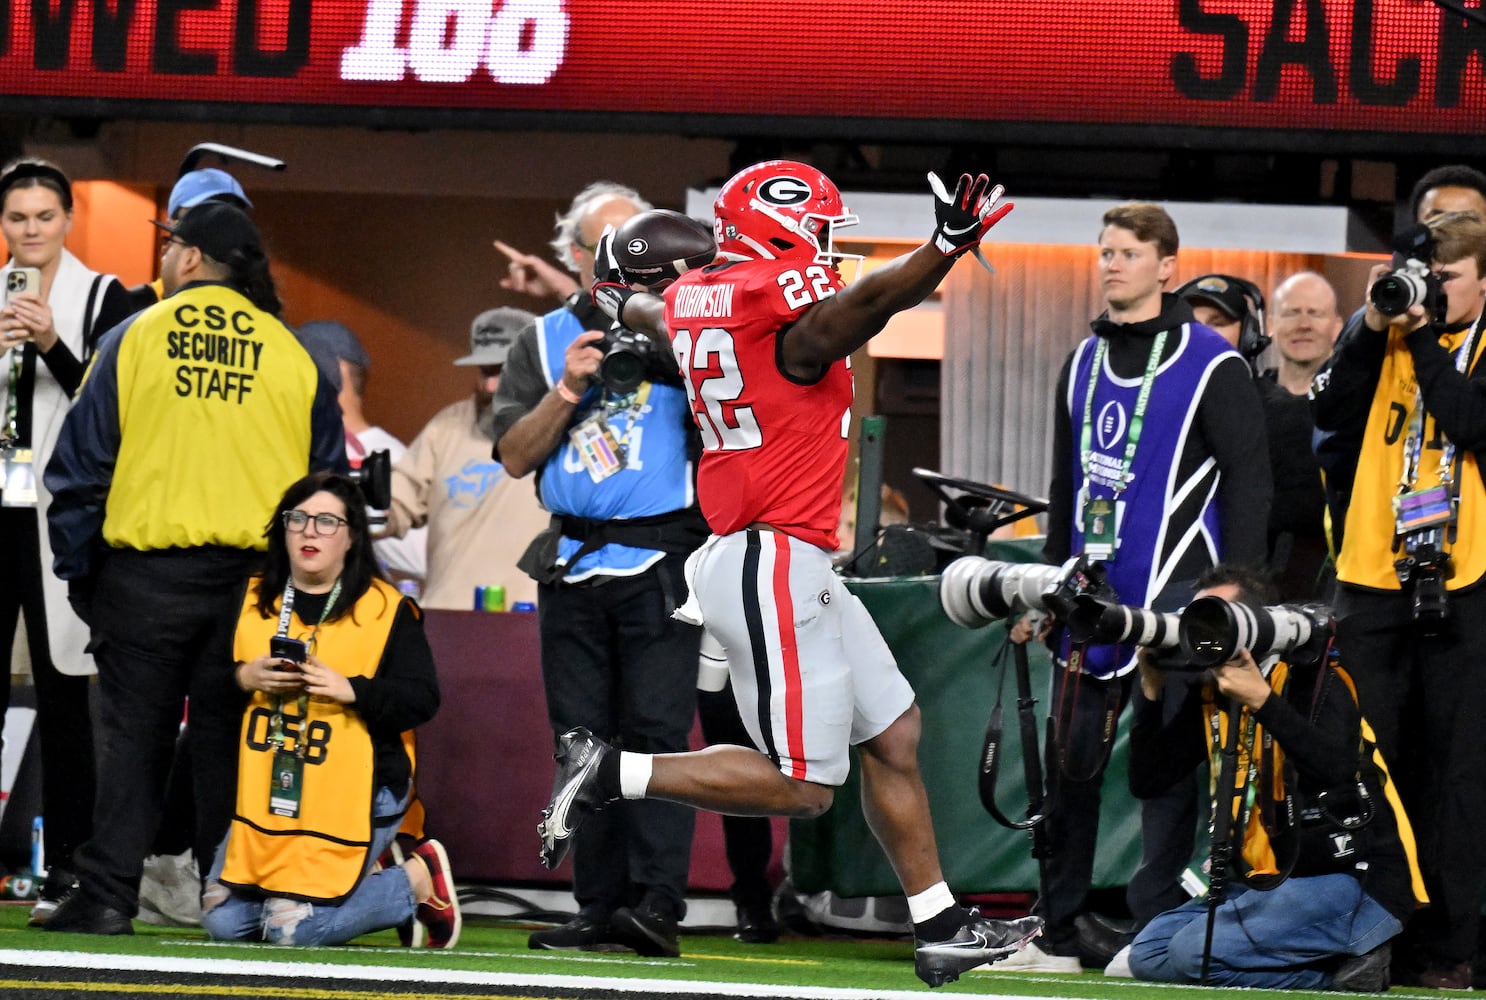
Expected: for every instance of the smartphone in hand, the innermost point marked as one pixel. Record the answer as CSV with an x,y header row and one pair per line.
x,y
23,281
284,648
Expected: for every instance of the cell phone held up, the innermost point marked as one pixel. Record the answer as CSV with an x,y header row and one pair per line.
x,y
282,647
22,281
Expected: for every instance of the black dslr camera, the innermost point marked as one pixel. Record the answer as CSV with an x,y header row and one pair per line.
x,y
1424,570
631,358
1411,283
374,479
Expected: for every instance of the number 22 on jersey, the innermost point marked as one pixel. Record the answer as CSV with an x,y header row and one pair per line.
x,y
714,381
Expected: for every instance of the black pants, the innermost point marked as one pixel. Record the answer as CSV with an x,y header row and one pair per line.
x,y
1426,699
1075,776
62,720
615,661
163,624
747,840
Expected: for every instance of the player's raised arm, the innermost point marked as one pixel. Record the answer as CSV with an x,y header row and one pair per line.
x,y
838,325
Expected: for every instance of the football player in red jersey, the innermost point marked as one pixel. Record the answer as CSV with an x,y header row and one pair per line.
x,y
762,337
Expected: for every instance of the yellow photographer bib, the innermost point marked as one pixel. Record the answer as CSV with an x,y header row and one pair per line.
x,y
320,854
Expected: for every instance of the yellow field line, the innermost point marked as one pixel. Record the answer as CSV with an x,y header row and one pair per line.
x,y
751,959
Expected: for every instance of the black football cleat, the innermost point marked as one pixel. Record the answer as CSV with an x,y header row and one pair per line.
x,y
977,942
575,792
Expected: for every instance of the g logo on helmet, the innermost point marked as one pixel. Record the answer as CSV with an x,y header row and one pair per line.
x,y
637,246
784,191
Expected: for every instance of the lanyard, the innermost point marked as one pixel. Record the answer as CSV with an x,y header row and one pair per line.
x,y
1137,419
1413,448
276,722
632,409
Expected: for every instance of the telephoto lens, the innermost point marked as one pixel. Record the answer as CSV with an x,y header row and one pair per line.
x,y
1099,621
975,591
1214,630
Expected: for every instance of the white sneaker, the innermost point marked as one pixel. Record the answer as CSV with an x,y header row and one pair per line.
x,y
1033,959
1119,966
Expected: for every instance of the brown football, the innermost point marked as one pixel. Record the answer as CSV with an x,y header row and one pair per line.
x,y
656,247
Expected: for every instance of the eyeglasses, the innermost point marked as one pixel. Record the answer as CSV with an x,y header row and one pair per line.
x,y
165,243
325,524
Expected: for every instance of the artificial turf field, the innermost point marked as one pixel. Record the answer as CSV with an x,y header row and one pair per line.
x,y
492,960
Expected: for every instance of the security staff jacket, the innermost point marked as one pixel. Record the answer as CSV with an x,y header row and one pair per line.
x,y
193,419
349,751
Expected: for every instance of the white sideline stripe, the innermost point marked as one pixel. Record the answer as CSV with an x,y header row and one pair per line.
x,y
393,974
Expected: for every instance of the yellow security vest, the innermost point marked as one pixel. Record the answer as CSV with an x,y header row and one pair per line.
x,y
1367,554
214,398
321,854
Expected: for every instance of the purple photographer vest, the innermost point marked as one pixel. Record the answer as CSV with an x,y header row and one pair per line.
x,y
1162,518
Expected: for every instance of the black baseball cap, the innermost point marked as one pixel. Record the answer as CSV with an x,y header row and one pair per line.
x,y
1218,291
216,229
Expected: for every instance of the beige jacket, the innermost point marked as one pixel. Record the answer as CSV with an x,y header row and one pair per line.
x,y
479,519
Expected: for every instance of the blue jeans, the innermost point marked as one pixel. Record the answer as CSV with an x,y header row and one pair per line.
x,y
1280,939
383,899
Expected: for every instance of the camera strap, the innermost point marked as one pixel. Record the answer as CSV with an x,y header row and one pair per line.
x,y
1265,797
990,757
1114,700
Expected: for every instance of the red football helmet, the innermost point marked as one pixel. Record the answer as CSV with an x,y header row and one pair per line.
x,y
780,210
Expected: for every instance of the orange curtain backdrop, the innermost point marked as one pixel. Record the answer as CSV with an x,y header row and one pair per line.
x,y
111,231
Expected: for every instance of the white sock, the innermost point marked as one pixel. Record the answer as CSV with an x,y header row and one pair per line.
x,y
930,903
634,774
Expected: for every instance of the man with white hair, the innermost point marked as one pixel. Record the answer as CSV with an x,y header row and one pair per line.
x,y
614,465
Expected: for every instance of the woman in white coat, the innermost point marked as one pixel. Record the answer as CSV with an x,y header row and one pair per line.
x,y
46,338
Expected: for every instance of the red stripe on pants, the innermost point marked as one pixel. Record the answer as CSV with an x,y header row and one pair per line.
x,y
789,654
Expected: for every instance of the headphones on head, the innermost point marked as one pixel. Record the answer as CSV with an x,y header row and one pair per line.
x,y
1252,340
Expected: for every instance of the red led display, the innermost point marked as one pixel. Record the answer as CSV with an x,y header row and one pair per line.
x,y
1342,66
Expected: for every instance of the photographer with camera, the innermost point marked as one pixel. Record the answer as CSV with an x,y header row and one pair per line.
x,y
1403,402
615,466
332,656
1320,845
195,416
1159,471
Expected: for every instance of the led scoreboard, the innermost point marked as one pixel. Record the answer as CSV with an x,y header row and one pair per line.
x,y
1333,75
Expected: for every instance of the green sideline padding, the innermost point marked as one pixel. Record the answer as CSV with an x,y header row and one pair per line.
x,y
951,671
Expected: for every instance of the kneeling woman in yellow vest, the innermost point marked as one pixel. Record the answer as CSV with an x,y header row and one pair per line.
x,y
338,667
